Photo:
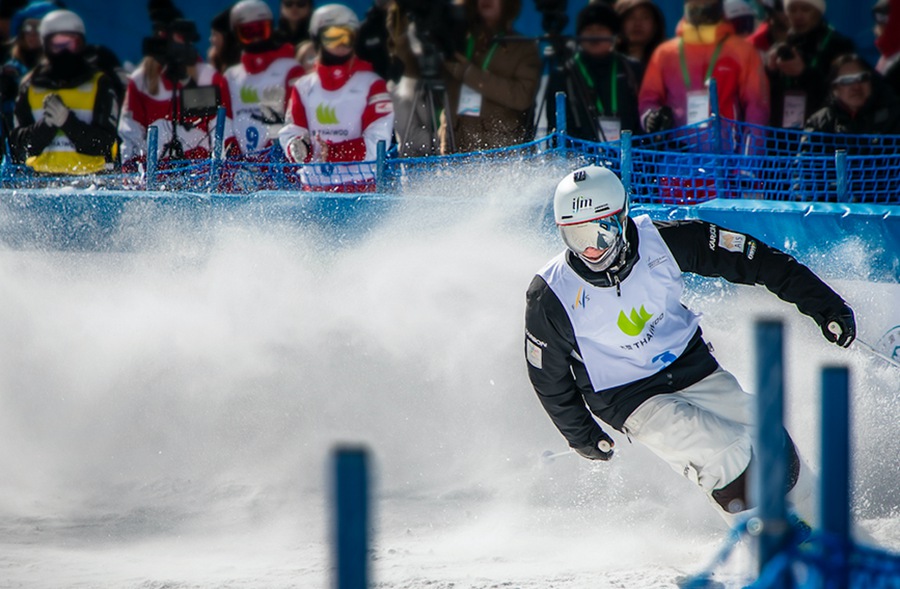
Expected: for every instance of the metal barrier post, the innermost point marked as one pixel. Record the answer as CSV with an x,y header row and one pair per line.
x,y
380,165
561,124
218,152
843,181
770,477
351,518
834,508
625,160
152,156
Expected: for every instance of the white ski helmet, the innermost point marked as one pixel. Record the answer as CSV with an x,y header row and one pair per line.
x,y
60,21
332,15
590,207
247,11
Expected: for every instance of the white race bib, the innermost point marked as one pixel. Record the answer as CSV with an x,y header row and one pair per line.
x,y
792,115
469,102
697,106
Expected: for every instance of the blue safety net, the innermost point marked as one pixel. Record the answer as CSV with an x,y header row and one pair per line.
x,y
714,159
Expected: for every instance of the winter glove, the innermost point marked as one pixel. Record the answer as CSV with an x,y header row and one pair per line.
x,y
298,149
55,112
602,449
661,119
839,326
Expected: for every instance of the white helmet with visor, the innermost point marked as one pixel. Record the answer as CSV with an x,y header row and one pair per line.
x,y
591,211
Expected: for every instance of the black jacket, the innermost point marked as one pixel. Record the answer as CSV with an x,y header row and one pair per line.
x,y
562,383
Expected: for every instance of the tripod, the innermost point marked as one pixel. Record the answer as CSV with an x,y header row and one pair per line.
x,y
430,93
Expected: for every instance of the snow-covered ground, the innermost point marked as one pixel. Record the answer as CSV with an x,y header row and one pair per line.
x,y
167,417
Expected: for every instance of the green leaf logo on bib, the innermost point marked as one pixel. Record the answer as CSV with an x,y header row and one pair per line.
x,y
635,325
326,115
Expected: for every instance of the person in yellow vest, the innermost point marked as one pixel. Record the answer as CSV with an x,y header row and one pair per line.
x,y
66,111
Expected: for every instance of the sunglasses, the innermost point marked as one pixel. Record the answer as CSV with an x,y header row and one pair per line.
x,y
63,42
295,3
334,37
850,79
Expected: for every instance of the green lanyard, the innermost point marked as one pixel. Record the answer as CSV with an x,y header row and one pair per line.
x,y
709,70
614,84
470,50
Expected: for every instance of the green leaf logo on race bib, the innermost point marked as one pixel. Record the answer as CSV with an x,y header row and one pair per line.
x,y
326,115
249,95
635,325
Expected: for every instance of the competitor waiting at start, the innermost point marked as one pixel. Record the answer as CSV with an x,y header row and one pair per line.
x,y
607,336
339,112
259,84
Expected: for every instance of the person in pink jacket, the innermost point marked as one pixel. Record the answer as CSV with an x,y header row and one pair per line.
x,y
675,89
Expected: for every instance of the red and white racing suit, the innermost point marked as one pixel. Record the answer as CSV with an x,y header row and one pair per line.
x,y
143,109
347,108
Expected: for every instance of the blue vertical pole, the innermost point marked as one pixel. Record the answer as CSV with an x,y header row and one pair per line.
x,y
561,124
380,165
716,130
152,156
218,152
835,504
625,160
351,503
770,478
840,168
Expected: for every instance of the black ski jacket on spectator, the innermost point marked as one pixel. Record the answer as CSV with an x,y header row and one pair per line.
x,y
563,385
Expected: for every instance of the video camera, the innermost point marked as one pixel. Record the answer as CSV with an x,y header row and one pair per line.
x,y
554,16
440,27
172,45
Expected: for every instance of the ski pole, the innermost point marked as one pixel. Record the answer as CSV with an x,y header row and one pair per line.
x,y
550,455
875,352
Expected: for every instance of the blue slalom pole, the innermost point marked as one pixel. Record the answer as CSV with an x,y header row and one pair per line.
x,y
152,156
218,152
770,478
840,169
625,160
380,165
561,124
351,518
835,492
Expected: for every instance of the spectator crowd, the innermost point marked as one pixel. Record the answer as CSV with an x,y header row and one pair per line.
x,y
318,84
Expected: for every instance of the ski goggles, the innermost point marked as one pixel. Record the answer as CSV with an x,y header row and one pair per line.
x,y
59,42
334,37
599,233
253,32
850,79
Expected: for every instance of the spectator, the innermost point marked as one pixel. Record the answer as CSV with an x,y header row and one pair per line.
x,y
860,103
67,110
887,39
224,50
306,56
601,100
340,112
293,21
643,29
774,28
372,41
25,55
492,87
741,16
675,88
798,69
8,9
159,95
260,83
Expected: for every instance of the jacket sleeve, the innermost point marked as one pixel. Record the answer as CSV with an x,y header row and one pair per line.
x,y
98,137
29,137
549,342
708,250
652,94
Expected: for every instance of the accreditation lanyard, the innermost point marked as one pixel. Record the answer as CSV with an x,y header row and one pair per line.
x,y
470,51
709,70
614,85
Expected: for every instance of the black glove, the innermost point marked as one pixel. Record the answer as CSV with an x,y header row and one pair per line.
x,y
839,326
602,449
661,119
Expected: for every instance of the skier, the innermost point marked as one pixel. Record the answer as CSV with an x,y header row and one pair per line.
x,y
606,335
339,112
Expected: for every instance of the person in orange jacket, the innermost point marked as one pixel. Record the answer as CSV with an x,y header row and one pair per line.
x,y
675,90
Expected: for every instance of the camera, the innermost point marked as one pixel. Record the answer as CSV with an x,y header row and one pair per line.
x,y
172,45
554,16
200,101
440,27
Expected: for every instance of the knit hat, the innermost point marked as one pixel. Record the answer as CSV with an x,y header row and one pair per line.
x,y
33,11
599,13
817,4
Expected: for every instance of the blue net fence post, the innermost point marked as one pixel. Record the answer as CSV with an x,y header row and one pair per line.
x,y
834,508
152,156
351,517
842,171
561,123
218,152
380,165
770,477
626,160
